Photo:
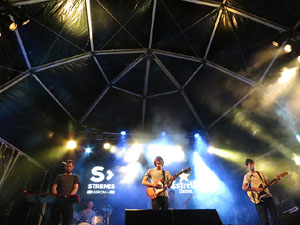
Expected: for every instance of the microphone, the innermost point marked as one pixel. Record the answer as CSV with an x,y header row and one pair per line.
x,y
252,168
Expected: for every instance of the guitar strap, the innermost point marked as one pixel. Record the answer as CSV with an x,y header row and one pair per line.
x,y
163,180
253,196
260,177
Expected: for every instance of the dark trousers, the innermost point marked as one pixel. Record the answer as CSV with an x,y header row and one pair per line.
x,y
63,209
267,204
160,202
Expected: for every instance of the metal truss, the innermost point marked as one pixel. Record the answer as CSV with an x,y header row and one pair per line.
x,y
149,54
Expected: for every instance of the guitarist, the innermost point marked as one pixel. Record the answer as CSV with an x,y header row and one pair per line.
x,y
253,183
156,174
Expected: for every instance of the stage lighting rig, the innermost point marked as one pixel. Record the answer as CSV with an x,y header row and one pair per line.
x,y
11,17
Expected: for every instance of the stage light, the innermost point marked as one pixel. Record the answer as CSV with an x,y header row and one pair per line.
x,y
88,150
296,159
8,23
287,48
113,149
106,146
197,135
13,26
211,150
287,75
163,134
298,58
71,144
123,132
275,43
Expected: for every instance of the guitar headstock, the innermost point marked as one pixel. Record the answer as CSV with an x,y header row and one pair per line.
x,y
183,171
186,170
282,174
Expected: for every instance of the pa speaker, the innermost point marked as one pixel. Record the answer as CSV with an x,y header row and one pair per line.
x,y
172,217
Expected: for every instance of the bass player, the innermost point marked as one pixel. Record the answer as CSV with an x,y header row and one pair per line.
x,y
155,175
253,183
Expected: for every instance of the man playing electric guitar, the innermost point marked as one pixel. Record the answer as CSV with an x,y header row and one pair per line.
x,y
255,183
158,174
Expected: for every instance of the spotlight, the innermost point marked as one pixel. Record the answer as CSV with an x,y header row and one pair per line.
x,y
106,146
197,135
123,132
71,144
8,23
275,43
296,159
88,150
298,58
113,149
287,48
163,134
211,149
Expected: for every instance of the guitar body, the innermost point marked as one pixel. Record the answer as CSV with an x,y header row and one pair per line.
x,y
255,197
154,192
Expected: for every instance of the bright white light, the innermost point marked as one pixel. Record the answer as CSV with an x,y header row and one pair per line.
x,y
287,75
298,137
113,149
197,135
88,150
203,172
106,146
133,153
71,144
287,48
123,132
167,152
298,58
68,5
130,172
296,158
211,149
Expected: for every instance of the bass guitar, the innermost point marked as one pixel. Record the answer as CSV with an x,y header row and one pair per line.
x,y
154,192
255,196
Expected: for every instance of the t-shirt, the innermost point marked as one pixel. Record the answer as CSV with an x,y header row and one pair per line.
x,y
155,174
87,215
65,183
255,181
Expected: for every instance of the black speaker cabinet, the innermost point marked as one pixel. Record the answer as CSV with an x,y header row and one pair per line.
x,y
172,217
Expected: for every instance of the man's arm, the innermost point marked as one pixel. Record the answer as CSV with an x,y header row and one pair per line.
x,y
145,181
54,189
75,189
245,188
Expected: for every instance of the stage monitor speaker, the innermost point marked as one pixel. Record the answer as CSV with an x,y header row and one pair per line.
x,y
172,217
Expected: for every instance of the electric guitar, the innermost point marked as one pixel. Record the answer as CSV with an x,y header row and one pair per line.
x,y
255,196
154,192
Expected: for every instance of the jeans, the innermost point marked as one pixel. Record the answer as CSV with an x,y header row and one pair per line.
x,y
267,204
160,202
